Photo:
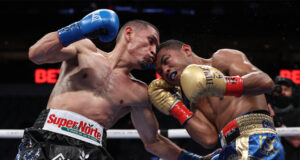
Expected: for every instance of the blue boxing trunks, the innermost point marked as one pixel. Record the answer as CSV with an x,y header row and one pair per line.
x,y
251,136
60,134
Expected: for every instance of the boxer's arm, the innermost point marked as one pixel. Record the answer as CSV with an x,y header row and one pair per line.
x,y
199,128
235,63
71,40
50,50
202,131
146,124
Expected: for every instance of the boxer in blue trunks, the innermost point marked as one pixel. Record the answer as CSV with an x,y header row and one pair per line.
x,y
225,94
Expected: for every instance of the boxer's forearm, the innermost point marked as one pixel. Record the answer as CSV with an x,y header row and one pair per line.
x,y
202,132
164,148
50,50
256,83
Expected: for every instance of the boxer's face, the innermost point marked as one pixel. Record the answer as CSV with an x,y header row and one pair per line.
x,y
143,46
170,64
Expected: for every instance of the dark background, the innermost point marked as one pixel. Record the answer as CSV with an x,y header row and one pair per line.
x,y
267,32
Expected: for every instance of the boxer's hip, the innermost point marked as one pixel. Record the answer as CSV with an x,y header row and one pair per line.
x,y
251,135
71,124
63,134
256,122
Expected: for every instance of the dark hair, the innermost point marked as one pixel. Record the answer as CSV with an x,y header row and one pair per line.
x,y
170,44
285,81
139,24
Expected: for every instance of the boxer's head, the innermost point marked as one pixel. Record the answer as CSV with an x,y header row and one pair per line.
x,y
141,38
171,58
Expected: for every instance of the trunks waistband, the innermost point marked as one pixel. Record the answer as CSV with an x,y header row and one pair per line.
x,y
71,124
256,122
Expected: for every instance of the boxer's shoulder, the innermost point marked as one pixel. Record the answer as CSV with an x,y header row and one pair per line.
x,y
84,46
223,58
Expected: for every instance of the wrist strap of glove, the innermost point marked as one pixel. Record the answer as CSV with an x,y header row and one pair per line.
x,y
180,112
234,86
70,34
185,155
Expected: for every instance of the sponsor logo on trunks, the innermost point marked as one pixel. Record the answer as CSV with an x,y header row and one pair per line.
x,y
230,128
83,156
59,157
268,145
267,124
81,128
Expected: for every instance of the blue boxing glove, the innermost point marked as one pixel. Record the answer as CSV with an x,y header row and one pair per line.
x,y
185,155
102,24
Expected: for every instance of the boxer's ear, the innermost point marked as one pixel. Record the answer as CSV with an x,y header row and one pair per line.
x,y
186,49
128,31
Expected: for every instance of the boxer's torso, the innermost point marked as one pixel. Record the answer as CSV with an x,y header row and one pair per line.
x,y
220,111
89,85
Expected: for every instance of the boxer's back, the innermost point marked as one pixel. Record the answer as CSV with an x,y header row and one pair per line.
x,y
88,85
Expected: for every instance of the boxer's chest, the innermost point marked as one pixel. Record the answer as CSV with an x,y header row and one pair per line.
x,y
96,75
210,107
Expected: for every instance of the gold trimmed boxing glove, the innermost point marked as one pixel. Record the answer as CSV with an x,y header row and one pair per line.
x,y
161,97
204,81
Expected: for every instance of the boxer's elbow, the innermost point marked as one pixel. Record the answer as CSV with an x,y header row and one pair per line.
x,y
209,142
34,55
152,148
150,144
149,147
270,86
267,84
257,83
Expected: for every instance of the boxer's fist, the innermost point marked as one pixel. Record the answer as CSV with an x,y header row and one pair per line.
x,y
160,95
204,81
166,98
102,24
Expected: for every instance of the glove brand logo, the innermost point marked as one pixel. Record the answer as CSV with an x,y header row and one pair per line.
x,y
231,80
95,17
209,76
81,128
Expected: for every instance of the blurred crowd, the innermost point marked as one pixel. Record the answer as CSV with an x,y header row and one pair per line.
x,y
283,103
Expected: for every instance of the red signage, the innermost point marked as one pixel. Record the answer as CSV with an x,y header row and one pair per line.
x,y
157,75
50,75
45,76
291,74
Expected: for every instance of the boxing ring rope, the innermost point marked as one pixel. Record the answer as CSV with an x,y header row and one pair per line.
x,y
132,133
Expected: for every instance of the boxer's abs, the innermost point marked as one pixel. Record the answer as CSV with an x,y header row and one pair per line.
x,y
220,111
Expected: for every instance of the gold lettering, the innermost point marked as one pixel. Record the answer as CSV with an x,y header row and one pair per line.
x,y
269,144
261,138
